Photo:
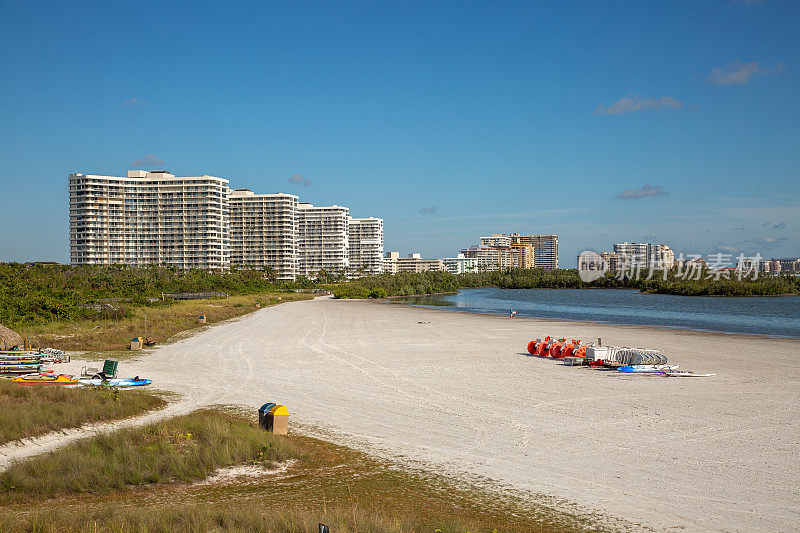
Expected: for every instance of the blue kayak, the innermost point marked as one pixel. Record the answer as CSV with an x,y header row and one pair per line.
x,y
116,382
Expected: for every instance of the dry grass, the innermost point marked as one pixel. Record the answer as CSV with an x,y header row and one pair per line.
x,y
32,411
185,448
163,322
346,489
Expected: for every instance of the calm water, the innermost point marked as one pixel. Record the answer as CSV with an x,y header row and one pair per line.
x,y
778,316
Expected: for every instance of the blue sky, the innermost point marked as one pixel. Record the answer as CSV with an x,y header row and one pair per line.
x,y
603,122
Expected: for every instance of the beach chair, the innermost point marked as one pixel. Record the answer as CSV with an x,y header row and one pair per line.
x,y
109,369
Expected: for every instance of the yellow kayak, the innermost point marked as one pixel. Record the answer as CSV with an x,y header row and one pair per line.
x,y
45,379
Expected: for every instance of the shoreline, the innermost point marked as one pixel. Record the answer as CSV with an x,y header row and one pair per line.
x,y
453,309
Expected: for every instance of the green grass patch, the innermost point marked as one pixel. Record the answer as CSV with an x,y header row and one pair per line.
x,y
185,448
32,411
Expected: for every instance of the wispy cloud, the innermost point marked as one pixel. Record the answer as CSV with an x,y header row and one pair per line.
x,y
429,210
782,225
633,102
134,102
148,161
764,242
645,191
299,179
738,73
740,228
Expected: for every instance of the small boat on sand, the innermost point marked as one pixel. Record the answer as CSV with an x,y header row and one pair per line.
x,y
45,379
685,374
646,369
116,382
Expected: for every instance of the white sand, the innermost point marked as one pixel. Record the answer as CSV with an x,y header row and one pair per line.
x,y
457,393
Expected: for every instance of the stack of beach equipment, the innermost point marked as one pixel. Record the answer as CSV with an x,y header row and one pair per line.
x,y
18,362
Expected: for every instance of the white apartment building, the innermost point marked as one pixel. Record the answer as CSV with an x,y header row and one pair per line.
x,y
490,258
149,218
390,262
365,241
322,239
644,255
263,230
460,264
496,239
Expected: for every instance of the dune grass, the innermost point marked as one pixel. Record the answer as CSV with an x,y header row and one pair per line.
x,y
185,448
136,480
32,411
163,322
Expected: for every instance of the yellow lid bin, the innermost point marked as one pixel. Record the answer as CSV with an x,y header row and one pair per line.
x,y
201,319
278,420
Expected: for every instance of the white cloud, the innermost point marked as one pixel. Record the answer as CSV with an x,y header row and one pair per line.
x,y
148,161
299,179
644,191
633,102
738,73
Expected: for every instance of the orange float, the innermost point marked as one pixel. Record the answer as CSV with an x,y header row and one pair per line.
x,y
532,347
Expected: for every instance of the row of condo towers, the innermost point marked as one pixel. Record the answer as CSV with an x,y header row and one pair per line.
x,y
188,222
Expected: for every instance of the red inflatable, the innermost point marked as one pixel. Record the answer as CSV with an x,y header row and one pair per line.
x,y
532,347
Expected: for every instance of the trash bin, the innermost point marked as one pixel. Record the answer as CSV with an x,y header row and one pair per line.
x,y
262,414
136,344
279,420
201,319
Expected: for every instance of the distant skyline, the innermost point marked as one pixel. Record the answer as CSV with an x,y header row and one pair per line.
x,y
603,123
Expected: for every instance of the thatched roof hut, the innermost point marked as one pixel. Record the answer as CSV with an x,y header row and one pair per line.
x,y
9,339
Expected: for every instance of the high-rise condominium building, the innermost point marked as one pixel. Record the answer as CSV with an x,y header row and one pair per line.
x,y
263,231
149,218
644,255
365,241
322,239
545,248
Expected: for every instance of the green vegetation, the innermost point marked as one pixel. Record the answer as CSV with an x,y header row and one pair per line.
x,y
43,293
163,322
185,448
32,411
407,284
136,479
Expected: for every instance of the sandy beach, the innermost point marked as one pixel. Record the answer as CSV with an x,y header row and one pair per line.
x,y
456,393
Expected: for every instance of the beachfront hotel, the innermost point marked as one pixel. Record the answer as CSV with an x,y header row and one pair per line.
x,y
149,218
157,218
322,239
263,229
365,242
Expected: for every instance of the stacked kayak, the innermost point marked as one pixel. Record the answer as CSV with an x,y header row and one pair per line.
x,y
115,382
15,363
45,378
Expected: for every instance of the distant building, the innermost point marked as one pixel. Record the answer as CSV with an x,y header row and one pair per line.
x,y
264,232
149,218
460,264
496,239
643,255
522,256
787,265
489,258
365,241
390,262
322,239
393,263
545,248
